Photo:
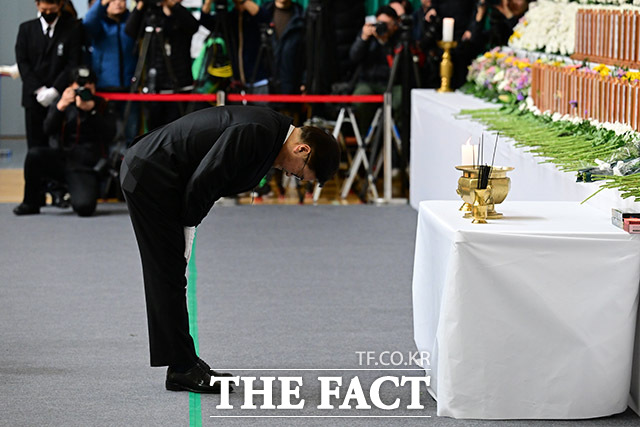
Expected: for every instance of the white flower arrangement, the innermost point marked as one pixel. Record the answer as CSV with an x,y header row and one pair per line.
x,y
550,25
617,127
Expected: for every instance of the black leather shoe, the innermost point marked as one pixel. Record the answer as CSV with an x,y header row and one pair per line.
x,y
211,371
60,199
24,209
196,380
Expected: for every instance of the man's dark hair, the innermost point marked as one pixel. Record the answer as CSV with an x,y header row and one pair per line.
x,y
325,152
387,10
408,7
50,1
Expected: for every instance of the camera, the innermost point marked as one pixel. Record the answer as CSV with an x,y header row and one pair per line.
x,y
381,28
84,93
221,5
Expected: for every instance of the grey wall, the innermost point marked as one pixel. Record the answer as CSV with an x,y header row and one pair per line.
x,y
13,13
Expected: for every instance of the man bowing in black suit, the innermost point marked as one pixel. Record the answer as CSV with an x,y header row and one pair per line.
x,y
171,178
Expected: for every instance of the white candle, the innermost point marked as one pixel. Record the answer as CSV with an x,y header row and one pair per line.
x,y
469,154
447,29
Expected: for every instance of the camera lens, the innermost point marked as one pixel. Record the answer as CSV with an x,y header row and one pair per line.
x,y
84,94
381,28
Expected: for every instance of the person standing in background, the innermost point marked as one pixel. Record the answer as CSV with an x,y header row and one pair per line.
x,y
47,49
287,20
169,55
113,57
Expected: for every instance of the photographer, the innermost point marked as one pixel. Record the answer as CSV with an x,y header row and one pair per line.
x,y
168,62
494,22
373,52
427,32
492,26
80,127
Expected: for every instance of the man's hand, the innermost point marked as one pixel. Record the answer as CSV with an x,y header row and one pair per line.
x,y
430,14
189,235
247,5
466,35
206,6
504,9
368,30
167,5
68,96
47,96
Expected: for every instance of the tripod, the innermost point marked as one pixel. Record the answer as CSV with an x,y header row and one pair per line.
x,y
318,79
265,55
217,43
408,62
152,36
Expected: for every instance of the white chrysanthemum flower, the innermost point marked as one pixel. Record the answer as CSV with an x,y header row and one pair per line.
x,y
547,26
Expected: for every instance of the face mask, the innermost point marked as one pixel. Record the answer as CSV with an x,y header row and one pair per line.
x,y
49,17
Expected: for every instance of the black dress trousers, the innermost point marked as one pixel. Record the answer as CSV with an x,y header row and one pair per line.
x,y
159,232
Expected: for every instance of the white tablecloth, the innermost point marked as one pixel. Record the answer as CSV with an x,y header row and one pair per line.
x,y
436,137
530,316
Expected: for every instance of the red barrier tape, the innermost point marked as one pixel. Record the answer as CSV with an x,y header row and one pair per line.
x,y
161,97
235,97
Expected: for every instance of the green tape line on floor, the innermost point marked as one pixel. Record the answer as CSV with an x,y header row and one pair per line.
x,y
195,408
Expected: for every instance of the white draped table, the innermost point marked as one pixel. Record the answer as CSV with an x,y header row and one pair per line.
x,y
437,134
530,316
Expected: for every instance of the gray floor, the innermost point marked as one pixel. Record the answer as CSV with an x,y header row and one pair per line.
x,y
279,287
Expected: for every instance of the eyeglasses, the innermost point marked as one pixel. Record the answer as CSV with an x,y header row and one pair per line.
x,y
300,175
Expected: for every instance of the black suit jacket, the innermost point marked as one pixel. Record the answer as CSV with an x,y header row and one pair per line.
x,y
208,154
47,62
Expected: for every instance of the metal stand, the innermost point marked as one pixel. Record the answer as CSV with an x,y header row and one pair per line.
x,y
265,54
346,116
219,30
152,34
316,47
361,153
402,143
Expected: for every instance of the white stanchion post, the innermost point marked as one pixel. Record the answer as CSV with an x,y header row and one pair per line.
x,y
220,98
387,147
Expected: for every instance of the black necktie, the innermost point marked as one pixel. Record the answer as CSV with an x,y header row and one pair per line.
x,y
48,33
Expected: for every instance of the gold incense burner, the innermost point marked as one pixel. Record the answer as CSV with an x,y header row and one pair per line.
x,y
480,204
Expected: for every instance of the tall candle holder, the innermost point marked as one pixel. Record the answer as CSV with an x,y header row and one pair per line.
x,y
446,66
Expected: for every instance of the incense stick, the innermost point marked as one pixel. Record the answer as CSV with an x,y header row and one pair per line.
x,y
495,145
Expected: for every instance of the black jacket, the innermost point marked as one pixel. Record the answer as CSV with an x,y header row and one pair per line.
x,y
208,154
177,31
47,62
374,58
83,135
288,51
346,22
